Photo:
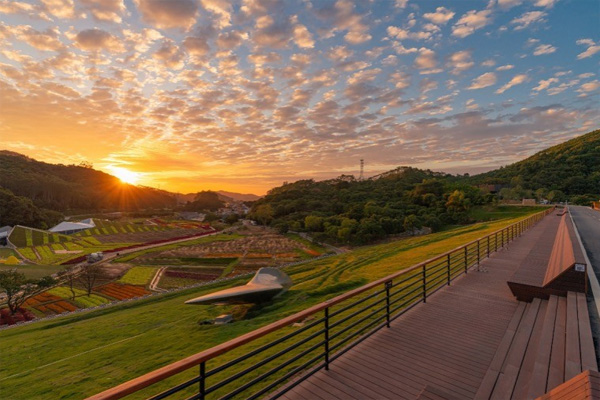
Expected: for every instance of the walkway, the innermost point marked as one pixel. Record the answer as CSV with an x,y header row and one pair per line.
x,y
444,346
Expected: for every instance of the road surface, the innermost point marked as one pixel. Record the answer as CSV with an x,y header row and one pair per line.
x,y
588,225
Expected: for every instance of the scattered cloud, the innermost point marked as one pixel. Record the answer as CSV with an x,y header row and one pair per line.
x,y
426,59
441,16
528,19
592,48
97,39
483,81
506,67
470,22
544,49
516,80
166,14
460,61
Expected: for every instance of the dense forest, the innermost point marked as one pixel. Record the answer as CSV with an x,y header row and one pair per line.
x,y
346,210
569,171
76,188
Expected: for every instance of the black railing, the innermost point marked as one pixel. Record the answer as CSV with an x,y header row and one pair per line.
x,y
319,335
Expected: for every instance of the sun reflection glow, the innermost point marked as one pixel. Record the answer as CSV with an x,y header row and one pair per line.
x,y
125,175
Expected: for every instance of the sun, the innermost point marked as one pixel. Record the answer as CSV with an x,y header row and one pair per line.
x,y
125,175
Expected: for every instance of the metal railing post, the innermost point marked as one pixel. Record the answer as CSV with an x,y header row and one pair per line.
x,y
466,262
448,266
478,256
424,285
488,247
388,286
202,383
327,338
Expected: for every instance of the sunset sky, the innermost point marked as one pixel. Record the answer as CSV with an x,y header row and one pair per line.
x,y
244,95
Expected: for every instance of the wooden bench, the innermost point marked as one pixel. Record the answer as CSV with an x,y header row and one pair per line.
x,y
547,343
431,392
585,386
555,266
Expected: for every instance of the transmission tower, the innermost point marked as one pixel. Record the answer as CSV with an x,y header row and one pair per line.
x,y
362,170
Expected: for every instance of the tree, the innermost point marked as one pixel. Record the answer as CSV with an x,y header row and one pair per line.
x,y
313,223
263,213
18,288
69,275
88,276
411,223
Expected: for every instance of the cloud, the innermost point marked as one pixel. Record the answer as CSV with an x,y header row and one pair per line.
x,y
470,22
302,36
60,8
544,84
427,85
400,3
506,67
482,81
47,40
197,46
230,40
441,16
221,8
97,39
168,13
528,18
589,86
426,59
268,33
592,49
105,10
516,80
506,4
343,18
544,49
545,3
460,61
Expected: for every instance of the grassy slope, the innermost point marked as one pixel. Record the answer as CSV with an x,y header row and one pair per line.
x,y
79,355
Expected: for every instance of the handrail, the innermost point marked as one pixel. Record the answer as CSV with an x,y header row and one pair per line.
x,y
197,359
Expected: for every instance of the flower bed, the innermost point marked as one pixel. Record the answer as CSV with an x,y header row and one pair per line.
x,y
121,291
191,275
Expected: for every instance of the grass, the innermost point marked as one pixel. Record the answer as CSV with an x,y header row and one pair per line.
x,y
102,348
138,275
5,253
34,271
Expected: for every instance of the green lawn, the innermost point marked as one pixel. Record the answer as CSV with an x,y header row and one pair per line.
x,y
102,348
139,275
81,297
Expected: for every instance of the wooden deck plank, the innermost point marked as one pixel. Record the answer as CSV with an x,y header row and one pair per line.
x,y
539,374
572,347
556,373
588,359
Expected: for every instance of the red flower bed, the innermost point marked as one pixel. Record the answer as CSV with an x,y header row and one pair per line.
x,y
41,298
121,291
21,315
191,275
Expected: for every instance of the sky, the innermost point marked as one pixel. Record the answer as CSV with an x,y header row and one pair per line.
x,y
244,95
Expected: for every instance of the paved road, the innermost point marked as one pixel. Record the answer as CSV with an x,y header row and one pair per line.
x,y
588,225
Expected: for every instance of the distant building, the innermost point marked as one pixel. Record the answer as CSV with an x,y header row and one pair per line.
x,y
67,228
528,202
4,232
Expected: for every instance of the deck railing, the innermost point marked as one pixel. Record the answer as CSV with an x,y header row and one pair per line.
x,y
312,339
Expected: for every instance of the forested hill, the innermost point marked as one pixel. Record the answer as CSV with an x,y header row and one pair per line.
x,y
70,187
346,210
568,171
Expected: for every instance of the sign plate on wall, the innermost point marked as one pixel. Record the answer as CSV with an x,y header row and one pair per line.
x,y
580,267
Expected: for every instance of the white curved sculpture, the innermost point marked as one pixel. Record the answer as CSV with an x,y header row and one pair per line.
x,y
266,284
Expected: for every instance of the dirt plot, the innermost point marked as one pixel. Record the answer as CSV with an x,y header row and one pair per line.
x,y
257,246
143,237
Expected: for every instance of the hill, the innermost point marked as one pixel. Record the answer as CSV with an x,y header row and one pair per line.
x,y
568,171
70,187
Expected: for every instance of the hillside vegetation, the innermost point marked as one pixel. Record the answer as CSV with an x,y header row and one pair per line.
x,y
107,347
70,187
568,171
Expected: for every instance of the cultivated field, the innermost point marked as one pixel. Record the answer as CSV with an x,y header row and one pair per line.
x,y
159,330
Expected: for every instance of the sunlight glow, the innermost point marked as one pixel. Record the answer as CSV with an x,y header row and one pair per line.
x,y
125,175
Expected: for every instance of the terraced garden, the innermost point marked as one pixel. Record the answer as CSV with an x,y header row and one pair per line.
x,y
162,329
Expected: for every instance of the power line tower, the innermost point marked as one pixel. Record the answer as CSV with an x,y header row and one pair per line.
x,y
362,170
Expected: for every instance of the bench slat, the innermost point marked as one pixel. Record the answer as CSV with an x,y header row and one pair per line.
x,y
556,373
572,347
539,376
588,355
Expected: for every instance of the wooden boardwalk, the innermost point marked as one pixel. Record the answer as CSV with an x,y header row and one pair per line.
x,y
441,349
